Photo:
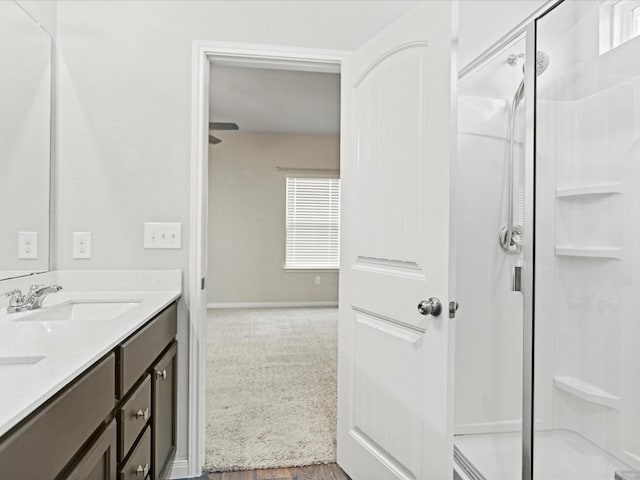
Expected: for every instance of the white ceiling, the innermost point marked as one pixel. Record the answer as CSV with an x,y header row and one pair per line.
x,y
275,101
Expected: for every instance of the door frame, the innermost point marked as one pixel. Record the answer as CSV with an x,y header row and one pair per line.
x,y
239,55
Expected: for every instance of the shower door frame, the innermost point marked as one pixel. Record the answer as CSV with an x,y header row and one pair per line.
x,y
528,280
526,28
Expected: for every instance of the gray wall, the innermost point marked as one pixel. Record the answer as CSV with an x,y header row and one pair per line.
x,y
247,217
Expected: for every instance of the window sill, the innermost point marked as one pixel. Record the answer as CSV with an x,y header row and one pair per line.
x,y
311,270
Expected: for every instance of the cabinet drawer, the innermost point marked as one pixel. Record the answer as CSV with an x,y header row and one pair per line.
x,y
133,416
45,444
136,354
139,463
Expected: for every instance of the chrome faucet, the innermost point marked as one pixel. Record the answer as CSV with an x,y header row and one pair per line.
x,y
19,302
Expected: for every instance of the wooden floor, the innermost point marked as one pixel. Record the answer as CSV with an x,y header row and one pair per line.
x,y
314,472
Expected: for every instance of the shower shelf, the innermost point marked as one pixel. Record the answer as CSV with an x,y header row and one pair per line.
x,y
590,252
586,391
603,189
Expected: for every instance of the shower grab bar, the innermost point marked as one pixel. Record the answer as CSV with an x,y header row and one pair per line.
x,y
510,234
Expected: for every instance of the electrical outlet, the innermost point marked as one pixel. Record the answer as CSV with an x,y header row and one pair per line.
x,y
318,279
81,244
27,245
162,235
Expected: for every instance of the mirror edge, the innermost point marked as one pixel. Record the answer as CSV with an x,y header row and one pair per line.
x,y
52,149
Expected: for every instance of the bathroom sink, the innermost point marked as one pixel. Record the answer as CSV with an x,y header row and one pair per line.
x,y
88,310
14,361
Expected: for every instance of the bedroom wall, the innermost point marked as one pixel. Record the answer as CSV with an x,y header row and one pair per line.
x,y
247,218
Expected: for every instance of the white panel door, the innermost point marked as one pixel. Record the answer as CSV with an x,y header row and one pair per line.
x,y
395,367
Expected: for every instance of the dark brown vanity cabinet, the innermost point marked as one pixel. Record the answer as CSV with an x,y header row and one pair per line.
x,y
116,421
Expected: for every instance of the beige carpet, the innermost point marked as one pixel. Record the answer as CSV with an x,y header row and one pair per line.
x,y
271,388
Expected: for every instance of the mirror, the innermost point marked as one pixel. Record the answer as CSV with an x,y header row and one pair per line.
x,y
25,143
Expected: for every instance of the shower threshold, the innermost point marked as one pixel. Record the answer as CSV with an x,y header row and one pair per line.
x,y
559,455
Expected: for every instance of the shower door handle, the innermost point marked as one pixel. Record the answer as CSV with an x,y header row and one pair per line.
x,y
516,279
433,307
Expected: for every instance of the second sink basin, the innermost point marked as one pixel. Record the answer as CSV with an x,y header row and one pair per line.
x,y
89,310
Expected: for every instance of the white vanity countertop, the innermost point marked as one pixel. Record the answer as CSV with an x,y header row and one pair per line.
x,y
69,346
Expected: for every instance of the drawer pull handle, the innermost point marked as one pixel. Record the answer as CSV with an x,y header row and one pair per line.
x,y
144,414
142,470
161,375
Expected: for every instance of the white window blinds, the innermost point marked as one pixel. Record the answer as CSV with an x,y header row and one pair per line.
x,y
313,223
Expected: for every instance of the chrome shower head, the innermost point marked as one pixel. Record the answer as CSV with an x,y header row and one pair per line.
x,y
542,61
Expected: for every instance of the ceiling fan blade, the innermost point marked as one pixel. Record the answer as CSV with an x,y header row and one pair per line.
x,y
223,126
214,140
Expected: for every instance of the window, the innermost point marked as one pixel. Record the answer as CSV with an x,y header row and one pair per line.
x,y
313,223
619,23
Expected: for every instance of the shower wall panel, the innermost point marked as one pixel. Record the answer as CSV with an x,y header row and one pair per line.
x,y
587,235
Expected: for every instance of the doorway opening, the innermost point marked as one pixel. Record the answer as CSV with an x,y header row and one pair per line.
x,y
270,332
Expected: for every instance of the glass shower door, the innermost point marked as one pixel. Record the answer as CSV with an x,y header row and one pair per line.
x,y
587,248
489,230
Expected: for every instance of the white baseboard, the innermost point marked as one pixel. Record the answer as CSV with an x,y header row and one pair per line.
x,y
219,305
180,469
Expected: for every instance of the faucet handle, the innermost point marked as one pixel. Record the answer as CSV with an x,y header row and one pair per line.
x,y
16,292
16,298
35,287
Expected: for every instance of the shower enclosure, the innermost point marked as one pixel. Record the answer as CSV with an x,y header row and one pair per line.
x,y
548,250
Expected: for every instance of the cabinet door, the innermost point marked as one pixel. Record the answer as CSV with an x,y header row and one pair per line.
x,y
99,463
163,414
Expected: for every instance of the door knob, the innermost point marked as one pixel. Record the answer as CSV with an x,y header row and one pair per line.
x,y
433,306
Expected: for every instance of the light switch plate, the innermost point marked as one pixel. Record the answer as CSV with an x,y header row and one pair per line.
x,y
82,245
162,235
27,245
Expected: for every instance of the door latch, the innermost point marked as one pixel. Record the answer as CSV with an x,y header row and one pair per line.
x,y
453,308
